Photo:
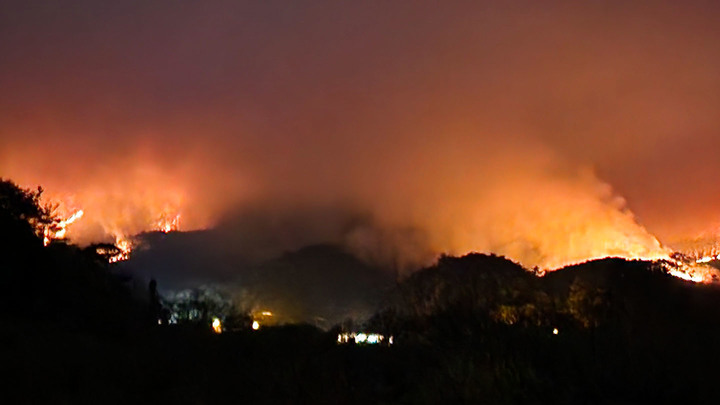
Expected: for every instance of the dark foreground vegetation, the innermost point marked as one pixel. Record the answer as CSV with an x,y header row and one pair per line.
x,y
476,329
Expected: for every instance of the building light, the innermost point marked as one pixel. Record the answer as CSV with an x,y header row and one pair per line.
x,y
362,338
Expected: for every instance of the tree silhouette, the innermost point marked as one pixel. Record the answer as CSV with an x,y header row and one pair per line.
x,y
23,218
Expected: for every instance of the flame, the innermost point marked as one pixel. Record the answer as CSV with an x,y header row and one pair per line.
x,y
117,225
536,219
262,317
131,199
217,325
702,249
693,259
168,223
696,272
688,275
125,247
63,224
59,229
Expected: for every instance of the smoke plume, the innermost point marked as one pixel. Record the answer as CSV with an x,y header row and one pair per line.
x,y
399,131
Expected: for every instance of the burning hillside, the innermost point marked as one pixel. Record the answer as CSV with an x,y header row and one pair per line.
x,y
122,237
565,222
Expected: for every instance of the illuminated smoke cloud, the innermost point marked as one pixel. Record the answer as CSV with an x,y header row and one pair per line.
x,y
466,129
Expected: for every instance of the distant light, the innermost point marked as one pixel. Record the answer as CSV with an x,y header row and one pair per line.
x,y
362,338
555,331
256,325
217,325
266,313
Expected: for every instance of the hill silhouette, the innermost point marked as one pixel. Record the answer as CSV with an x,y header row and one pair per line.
x,y
604,331
473,329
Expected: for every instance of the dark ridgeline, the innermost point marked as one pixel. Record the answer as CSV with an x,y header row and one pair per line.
x,y
627,332
475,329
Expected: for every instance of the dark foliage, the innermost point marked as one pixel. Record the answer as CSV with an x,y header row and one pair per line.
x,y
56,284
627,333
476,329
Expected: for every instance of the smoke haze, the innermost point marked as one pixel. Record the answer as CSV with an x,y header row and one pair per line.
x,y
401,131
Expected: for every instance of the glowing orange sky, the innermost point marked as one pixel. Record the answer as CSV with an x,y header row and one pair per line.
x,y
483,123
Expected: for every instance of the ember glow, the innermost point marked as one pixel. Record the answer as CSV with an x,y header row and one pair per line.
x,y
217,325
691,271
59,229
168,223
124,246
690,274
118,210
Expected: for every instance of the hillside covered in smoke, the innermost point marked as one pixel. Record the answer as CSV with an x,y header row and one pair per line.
x,y
483,127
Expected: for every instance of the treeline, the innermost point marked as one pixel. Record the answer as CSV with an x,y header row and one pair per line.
x,y
606,331
58,284
475,329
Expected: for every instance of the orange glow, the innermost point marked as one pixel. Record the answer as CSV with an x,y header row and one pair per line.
x,y
125,198
59,229
608,232
262,317
460,135
697,272
687,275
168,223
217,325
544,222
589,228
125,246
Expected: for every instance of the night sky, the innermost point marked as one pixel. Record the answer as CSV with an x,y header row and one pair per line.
x,y
546,131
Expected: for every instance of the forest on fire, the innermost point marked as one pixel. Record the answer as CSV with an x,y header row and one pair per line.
x,y
472,329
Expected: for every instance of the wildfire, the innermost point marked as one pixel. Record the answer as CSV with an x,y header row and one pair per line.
x,y
168,223
703,249
263,317
141,200
693,260
565,222
124,246
689,275
58,230
687,268
115,221
706,259
217,325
